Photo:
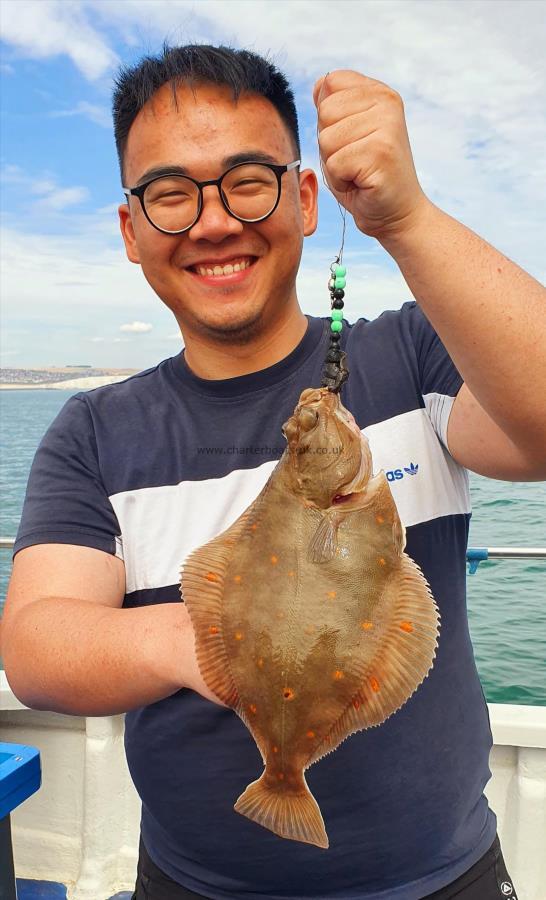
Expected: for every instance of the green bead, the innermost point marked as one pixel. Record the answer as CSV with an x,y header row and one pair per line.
x,y
337,315
339,283
335,326
340,272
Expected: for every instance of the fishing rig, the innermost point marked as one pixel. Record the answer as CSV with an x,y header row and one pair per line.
x,y
335,371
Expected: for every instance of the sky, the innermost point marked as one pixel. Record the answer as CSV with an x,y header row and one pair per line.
x,y
472,74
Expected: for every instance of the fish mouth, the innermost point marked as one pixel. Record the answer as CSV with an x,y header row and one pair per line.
x,y
344,498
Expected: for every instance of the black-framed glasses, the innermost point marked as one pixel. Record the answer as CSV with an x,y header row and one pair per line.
x,y
250,192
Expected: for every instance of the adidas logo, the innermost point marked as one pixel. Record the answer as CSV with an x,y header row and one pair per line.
x,y
397,474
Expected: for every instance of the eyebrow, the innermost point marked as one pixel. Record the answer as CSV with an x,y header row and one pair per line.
x,y
228,161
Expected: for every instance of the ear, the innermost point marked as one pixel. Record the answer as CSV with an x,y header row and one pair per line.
x,y
128,233
309,201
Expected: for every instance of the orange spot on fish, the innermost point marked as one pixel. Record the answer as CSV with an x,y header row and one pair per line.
x,y
213,629
281,776
281,614
356,703
310,629
288,694
260,663
382,561
338,675
275,749
253,527
406,626
379,520
374,684
366,625
274,559
211,576
239,635
291,573
310,734
331,595
237,578
252,707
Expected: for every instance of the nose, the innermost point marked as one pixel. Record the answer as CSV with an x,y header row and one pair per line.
x,y
215,223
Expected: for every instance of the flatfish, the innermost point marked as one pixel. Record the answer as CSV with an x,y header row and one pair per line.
x,y
310,620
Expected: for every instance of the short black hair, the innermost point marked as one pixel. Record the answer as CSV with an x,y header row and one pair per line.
x,y
241,70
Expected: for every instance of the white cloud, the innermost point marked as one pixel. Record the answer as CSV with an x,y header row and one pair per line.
x,y
53,197
100,115
59,198
137,327
44,28
7,69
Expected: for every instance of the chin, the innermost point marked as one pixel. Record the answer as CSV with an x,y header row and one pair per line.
x,y
240,328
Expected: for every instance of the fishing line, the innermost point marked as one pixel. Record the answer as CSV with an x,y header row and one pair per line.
x,y
335,372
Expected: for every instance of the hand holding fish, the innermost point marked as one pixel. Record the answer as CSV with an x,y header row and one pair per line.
x,y
365,151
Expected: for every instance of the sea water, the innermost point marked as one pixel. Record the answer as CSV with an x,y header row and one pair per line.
x,y
506,598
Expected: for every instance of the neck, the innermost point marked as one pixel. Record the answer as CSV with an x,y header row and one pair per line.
x,y
212,360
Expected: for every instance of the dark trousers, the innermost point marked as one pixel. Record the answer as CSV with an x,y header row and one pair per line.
x,y
486,880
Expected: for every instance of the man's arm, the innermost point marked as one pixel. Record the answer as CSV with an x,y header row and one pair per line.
x,y
491,317
488,312
69,647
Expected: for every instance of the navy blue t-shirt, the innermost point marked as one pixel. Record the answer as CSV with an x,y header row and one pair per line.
x,y
157,465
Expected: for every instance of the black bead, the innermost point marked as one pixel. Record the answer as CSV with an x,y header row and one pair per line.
x,y
339,294
333,356
335,338
337,304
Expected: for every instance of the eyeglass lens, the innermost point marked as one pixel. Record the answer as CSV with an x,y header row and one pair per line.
x,y
250,192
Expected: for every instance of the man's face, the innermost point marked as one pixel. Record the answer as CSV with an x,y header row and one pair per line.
x,y
205,130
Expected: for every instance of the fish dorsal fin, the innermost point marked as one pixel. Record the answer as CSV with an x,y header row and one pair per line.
x,y
401,663
322,545
202,585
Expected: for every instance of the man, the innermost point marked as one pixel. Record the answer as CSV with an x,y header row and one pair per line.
x,y
130,478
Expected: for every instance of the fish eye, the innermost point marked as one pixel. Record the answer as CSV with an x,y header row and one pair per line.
x,y
308,418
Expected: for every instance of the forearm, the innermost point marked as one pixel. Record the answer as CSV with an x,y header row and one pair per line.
x,y
81,658
489,313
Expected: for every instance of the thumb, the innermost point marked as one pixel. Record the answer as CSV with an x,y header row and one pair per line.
x,y
321,89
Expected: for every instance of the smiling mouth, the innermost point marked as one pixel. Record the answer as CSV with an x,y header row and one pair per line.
x,y
215,270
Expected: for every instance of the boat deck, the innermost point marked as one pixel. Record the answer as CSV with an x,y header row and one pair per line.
x,y
28,889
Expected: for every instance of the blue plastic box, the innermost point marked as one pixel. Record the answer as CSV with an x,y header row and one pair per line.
x,y
20,775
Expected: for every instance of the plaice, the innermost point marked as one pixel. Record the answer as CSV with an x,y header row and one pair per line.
x,y
310,620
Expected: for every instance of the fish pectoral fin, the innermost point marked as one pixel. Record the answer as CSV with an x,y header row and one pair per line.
x,y
323,544
289,812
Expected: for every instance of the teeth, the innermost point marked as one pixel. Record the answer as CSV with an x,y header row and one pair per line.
x,y
224,270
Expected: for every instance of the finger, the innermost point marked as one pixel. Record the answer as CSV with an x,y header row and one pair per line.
x,y
353,128
343,79
344,104
349,166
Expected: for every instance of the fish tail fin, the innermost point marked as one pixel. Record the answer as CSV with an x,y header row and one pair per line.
x,y
292,814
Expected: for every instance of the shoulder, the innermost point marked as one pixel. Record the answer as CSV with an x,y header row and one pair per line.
x,y
135,385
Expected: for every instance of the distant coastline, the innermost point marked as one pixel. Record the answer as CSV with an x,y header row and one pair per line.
x,y
60,378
